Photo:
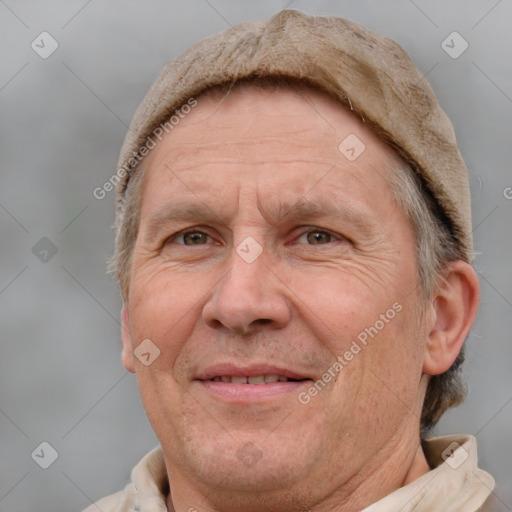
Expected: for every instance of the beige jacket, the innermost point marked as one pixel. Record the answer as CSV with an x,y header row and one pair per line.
x,y
456,484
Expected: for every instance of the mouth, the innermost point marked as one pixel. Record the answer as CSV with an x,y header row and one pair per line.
x,y
250,384
256,379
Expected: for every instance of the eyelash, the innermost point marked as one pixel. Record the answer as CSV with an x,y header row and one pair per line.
x,y
309,229
181,234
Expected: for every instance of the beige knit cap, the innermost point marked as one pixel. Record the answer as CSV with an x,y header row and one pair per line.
x,y
370,73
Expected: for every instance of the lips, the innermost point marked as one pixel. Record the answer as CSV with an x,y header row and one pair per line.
x,y
256,379
257,383
252,374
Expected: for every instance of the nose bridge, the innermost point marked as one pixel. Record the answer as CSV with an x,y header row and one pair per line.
x,y
249,294
245,279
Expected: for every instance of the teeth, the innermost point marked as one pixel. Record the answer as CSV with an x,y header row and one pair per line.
x,y
257,379
239,380
260,379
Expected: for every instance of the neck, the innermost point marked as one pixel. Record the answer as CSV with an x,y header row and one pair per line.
x,y
418,468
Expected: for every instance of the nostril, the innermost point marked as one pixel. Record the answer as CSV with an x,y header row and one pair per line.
x,y
263,321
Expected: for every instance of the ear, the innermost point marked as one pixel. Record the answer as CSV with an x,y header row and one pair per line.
x,y
453,310
127,351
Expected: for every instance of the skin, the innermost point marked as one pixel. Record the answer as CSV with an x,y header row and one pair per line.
x,y
319,281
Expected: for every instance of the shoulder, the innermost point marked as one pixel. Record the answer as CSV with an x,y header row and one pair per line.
x,y
148,487
122,501
493,504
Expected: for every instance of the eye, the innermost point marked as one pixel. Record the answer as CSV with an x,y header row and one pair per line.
x,y
316,237
191,238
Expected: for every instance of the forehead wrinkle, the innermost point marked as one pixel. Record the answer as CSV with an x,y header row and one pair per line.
x,y
238,161
279,147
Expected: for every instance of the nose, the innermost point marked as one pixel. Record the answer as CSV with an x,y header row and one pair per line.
x,y
249,297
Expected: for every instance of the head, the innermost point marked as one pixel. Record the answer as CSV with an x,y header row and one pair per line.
x,y
250,243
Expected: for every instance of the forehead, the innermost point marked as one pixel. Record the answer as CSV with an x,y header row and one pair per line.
x,y
282,138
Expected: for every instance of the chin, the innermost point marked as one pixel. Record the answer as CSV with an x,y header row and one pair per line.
x,y
247,463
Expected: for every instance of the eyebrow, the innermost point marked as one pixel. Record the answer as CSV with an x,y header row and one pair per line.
x,y
185,212
278,212
274,213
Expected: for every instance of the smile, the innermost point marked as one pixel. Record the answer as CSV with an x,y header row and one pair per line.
x,y
257,379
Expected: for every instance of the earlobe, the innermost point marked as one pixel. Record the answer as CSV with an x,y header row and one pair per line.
x,y
455,305
127,350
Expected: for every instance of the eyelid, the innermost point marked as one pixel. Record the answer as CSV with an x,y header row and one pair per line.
x,y
307,229
303,230
183,232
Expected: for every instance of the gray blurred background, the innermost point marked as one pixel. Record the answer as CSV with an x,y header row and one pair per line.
x,y
63,119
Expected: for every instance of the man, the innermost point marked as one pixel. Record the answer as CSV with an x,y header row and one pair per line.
x,y
293,248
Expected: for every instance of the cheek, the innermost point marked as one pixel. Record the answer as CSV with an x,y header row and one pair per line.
x,y
339,304
165,309
372,329
391,365
376,391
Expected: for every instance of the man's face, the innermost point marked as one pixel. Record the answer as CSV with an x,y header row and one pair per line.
x,y
266,251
